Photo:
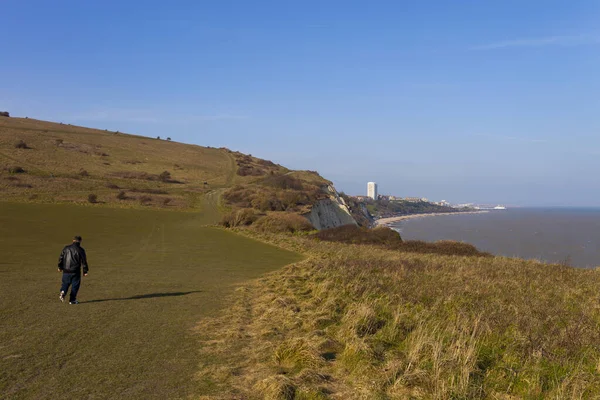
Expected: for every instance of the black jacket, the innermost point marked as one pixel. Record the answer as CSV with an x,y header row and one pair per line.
x,y
72,258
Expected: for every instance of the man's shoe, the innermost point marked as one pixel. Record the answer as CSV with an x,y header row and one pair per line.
x,y
62,297
74,302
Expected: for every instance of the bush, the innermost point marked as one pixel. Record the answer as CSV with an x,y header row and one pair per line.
x,y
444,247
164,176
83,172
166,201
391,239
145,200
249,170
357,235
112,186
16,170
283,182
150,191
122,195
21,145
92,198
242,217
283,222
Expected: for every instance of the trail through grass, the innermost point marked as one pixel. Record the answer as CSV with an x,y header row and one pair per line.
x,y
153,276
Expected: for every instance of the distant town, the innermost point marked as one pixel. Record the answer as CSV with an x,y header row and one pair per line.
x,y
373,194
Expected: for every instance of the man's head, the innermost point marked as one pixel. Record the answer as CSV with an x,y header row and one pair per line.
x,y
77,239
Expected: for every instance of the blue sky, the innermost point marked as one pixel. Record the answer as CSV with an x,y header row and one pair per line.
x,y
485,101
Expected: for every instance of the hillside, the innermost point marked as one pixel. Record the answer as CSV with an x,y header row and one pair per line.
x,y
53,162
386,321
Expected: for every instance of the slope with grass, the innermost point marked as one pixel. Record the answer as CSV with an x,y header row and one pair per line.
x,y
52,162
153,276
57,163
378,321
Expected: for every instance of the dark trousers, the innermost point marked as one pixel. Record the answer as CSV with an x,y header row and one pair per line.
x,y
73,280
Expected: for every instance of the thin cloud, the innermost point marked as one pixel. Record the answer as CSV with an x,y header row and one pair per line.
x,y
576,40
513,138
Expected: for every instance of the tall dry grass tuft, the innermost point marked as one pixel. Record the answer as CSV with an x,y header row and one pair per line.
x,y
360,321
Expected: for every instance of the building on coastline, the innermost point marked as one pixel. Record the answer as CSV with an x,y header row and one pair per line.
x,y
372,190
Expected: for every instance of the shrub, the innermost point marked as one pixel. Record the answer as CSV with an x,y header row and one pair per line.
x,y
444,247
166,201
83,172
122,195
283,222
92,198
357,235
249,170
150,191
112,186
164,176
169,139
390,239
21,145
16,170
283,182
144,200
242,217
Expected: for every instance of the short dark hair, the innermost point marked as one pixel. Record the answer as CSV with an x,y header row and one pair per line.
x,y
77,238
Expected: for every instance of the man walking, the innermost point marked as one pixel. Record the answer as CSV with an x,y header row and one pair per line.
x,y
70,262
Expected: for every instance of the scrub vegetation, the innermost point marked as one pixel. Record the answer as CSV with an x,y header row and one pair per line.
x,y
369,321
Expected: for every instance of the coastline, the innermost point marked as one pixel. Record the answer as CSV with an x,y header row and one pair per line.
x,y
391,220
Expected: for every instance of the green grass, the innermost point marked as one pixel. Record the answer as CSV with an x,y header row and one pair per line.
x,y
153,276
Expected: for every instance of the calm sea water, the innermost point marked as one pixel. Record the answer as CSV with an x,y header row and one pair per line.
x,y
558,235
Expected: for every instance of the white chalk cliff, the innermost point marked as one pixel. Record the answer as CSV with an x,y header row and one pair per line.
x,y
330,212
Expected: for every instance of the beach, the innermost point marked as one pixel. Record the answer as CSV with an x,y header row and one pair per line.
x,y
391,220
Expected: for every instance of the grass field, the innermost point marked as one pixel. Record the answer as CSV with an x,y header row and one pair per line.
x,y
153,276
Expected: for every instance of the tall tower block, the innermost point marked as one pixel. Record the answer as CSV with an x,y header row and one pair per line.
x,y
372,190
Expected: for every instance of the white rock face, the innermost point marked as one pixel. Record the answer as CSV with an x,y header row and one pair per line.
x,y
331,212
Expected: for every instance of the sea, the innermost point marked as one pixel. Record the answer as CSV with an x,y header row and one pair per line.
x,y
555,235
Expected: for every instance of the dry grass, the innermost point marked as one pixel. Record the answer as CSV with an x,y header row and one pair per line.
x,y
361,322
65,163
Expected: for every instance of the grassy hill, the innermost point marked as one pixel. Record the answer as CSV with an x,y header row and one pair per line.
x,y
54,162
